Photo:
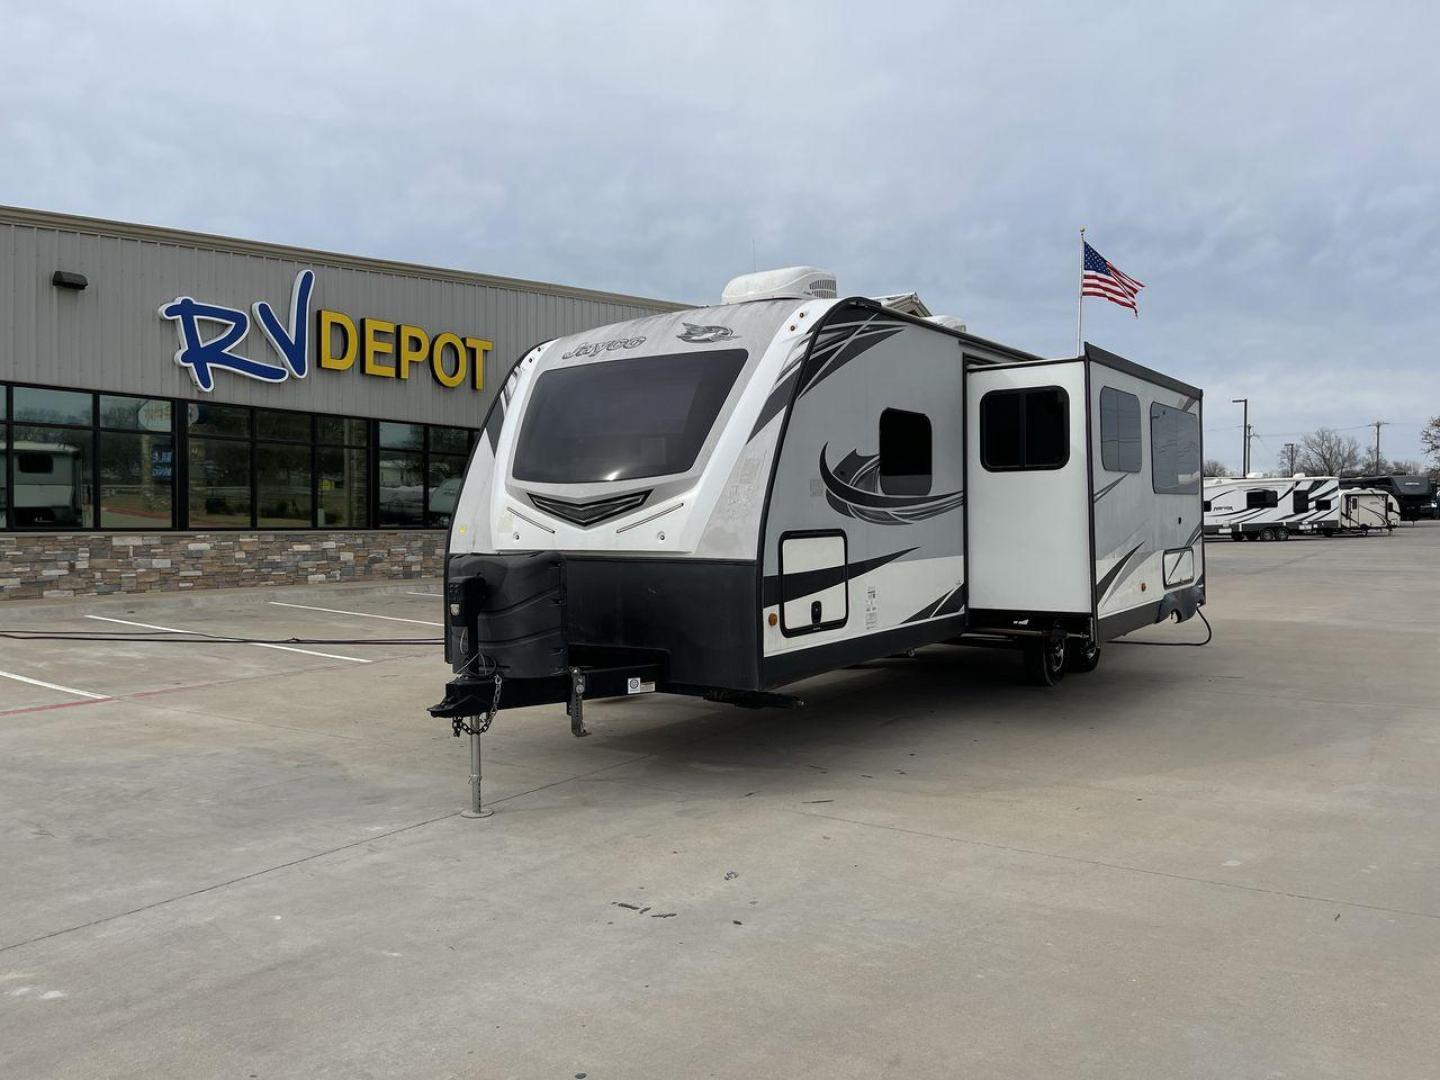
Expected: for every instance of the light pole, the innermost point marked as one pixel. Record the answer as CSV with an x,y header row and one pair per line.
x,y
1245,457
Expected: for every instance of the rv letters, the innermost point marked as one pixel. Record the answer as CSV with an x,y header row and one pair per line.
x,y
383,349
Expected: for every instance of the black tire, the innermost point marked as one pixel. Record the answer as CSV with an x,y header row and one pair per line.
x,y
1328,532
1267,534
1044,661
1282,533
1081,656
1249,535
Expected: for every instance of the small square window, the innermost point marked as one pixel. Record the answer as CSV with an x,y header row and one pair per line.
x,y
1025,429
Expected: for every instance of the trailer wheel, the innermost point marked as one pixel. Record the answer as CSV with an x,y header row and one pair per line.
x,y
1328,532
1267,534
1282,533
1045,661
1081,656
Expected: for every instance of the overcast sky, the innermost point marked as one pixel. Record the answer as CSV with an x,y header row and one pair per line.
x,y
1270,171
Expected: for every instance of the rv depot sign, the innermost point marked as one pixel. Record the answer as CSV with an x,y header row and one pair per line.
x,y
382,349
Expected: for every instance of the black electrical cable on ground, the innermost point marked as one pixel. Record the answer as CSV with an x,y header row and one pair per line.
x,y
197,637
1209,633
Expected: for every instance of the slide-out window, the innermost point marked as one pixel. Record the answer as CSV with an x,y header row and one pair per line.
x,y
1119,430
1322,504
1261,499
1025,429
1174,451
1302,501
905,453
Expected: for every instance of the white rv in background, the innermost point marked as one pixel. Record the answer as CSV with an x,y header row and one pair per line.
x,y
1364,509
722,501
1271,508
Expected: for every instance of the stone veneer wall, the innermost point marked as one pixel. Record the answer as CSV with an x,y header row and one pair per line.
x,y
36,565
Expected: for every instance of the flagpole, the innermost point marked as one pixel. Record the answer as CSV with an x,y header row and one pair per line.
x,y
1080,300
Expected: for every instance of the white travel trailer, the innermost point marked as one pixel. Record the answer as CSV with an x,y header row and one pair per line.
x,y
1270,508
1363,509
722,501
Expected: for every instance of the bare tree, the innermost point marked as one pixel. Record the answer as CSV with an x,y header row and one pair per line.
x,y
1403,467
1215,468
1430,439
1326,452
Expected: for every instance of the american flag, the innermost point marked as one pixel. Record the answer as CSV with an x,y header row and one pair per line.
x,y
1104,279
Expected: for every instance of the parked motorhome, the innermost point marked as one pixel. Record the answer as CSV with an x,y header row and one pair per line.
x,y
1366,509
1270,508
1415,495
725,500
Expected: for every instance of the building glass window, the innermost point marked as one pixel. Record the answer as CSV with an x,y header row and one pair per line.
x,y
402,476
53,487
1119,430
219,489
53,406
78,460
344,473
137,463
4,458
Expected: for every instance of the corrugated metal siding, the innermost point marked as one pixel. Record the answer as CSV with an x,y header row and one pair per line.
x,y
110,337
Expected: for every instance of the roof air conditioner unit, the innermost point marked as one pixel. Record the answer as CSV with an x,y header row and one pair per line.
x,y
790,283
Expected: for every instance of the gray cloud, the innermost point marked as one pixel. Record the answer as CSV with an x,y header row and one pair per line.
x,y
1269,171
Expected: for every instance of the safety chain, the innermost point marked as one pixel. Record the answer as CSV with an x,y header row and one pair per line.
x,y
459,727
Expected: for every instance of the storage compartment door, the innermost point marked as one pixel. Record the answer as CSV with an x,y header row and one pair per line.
x,y
814,588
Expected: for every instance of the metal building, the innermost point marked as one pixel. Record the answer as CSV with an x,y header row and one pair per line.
x,y
180,410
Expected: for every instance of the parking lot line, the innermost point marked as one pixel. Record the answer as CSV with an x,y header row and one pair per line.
x,y
362,614
257,644
54,686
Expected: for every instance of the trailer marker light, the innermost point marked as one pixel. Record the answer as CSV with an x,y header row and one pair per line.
x,y
773,618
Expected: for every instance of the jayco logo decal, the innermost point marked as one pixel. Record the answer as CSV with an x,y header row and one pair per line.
x,y
595,348
202,354
700,335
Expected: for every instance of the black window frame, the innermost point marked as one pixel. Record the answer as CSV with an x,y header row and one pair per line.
x,y
180,435
1116,443
1300,502
1023,392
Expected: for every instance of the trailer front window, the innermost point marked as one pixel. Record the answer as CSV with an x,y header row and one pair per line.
x,y
623,419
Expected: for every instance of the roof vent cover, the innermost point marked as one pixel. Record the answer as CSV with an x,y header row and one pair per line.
x,y
790,283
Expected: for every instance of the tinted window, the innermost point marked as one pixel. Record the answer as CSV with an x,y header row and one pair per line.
x,y
219,420
1119,430
343,487
339,430
1205,506
1302,501
1175,451
1025,429
137,475
286,426
1322,504
622,419
282,486
52,477
1261,499
402,436
52,406
219,493
135,414
905,449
